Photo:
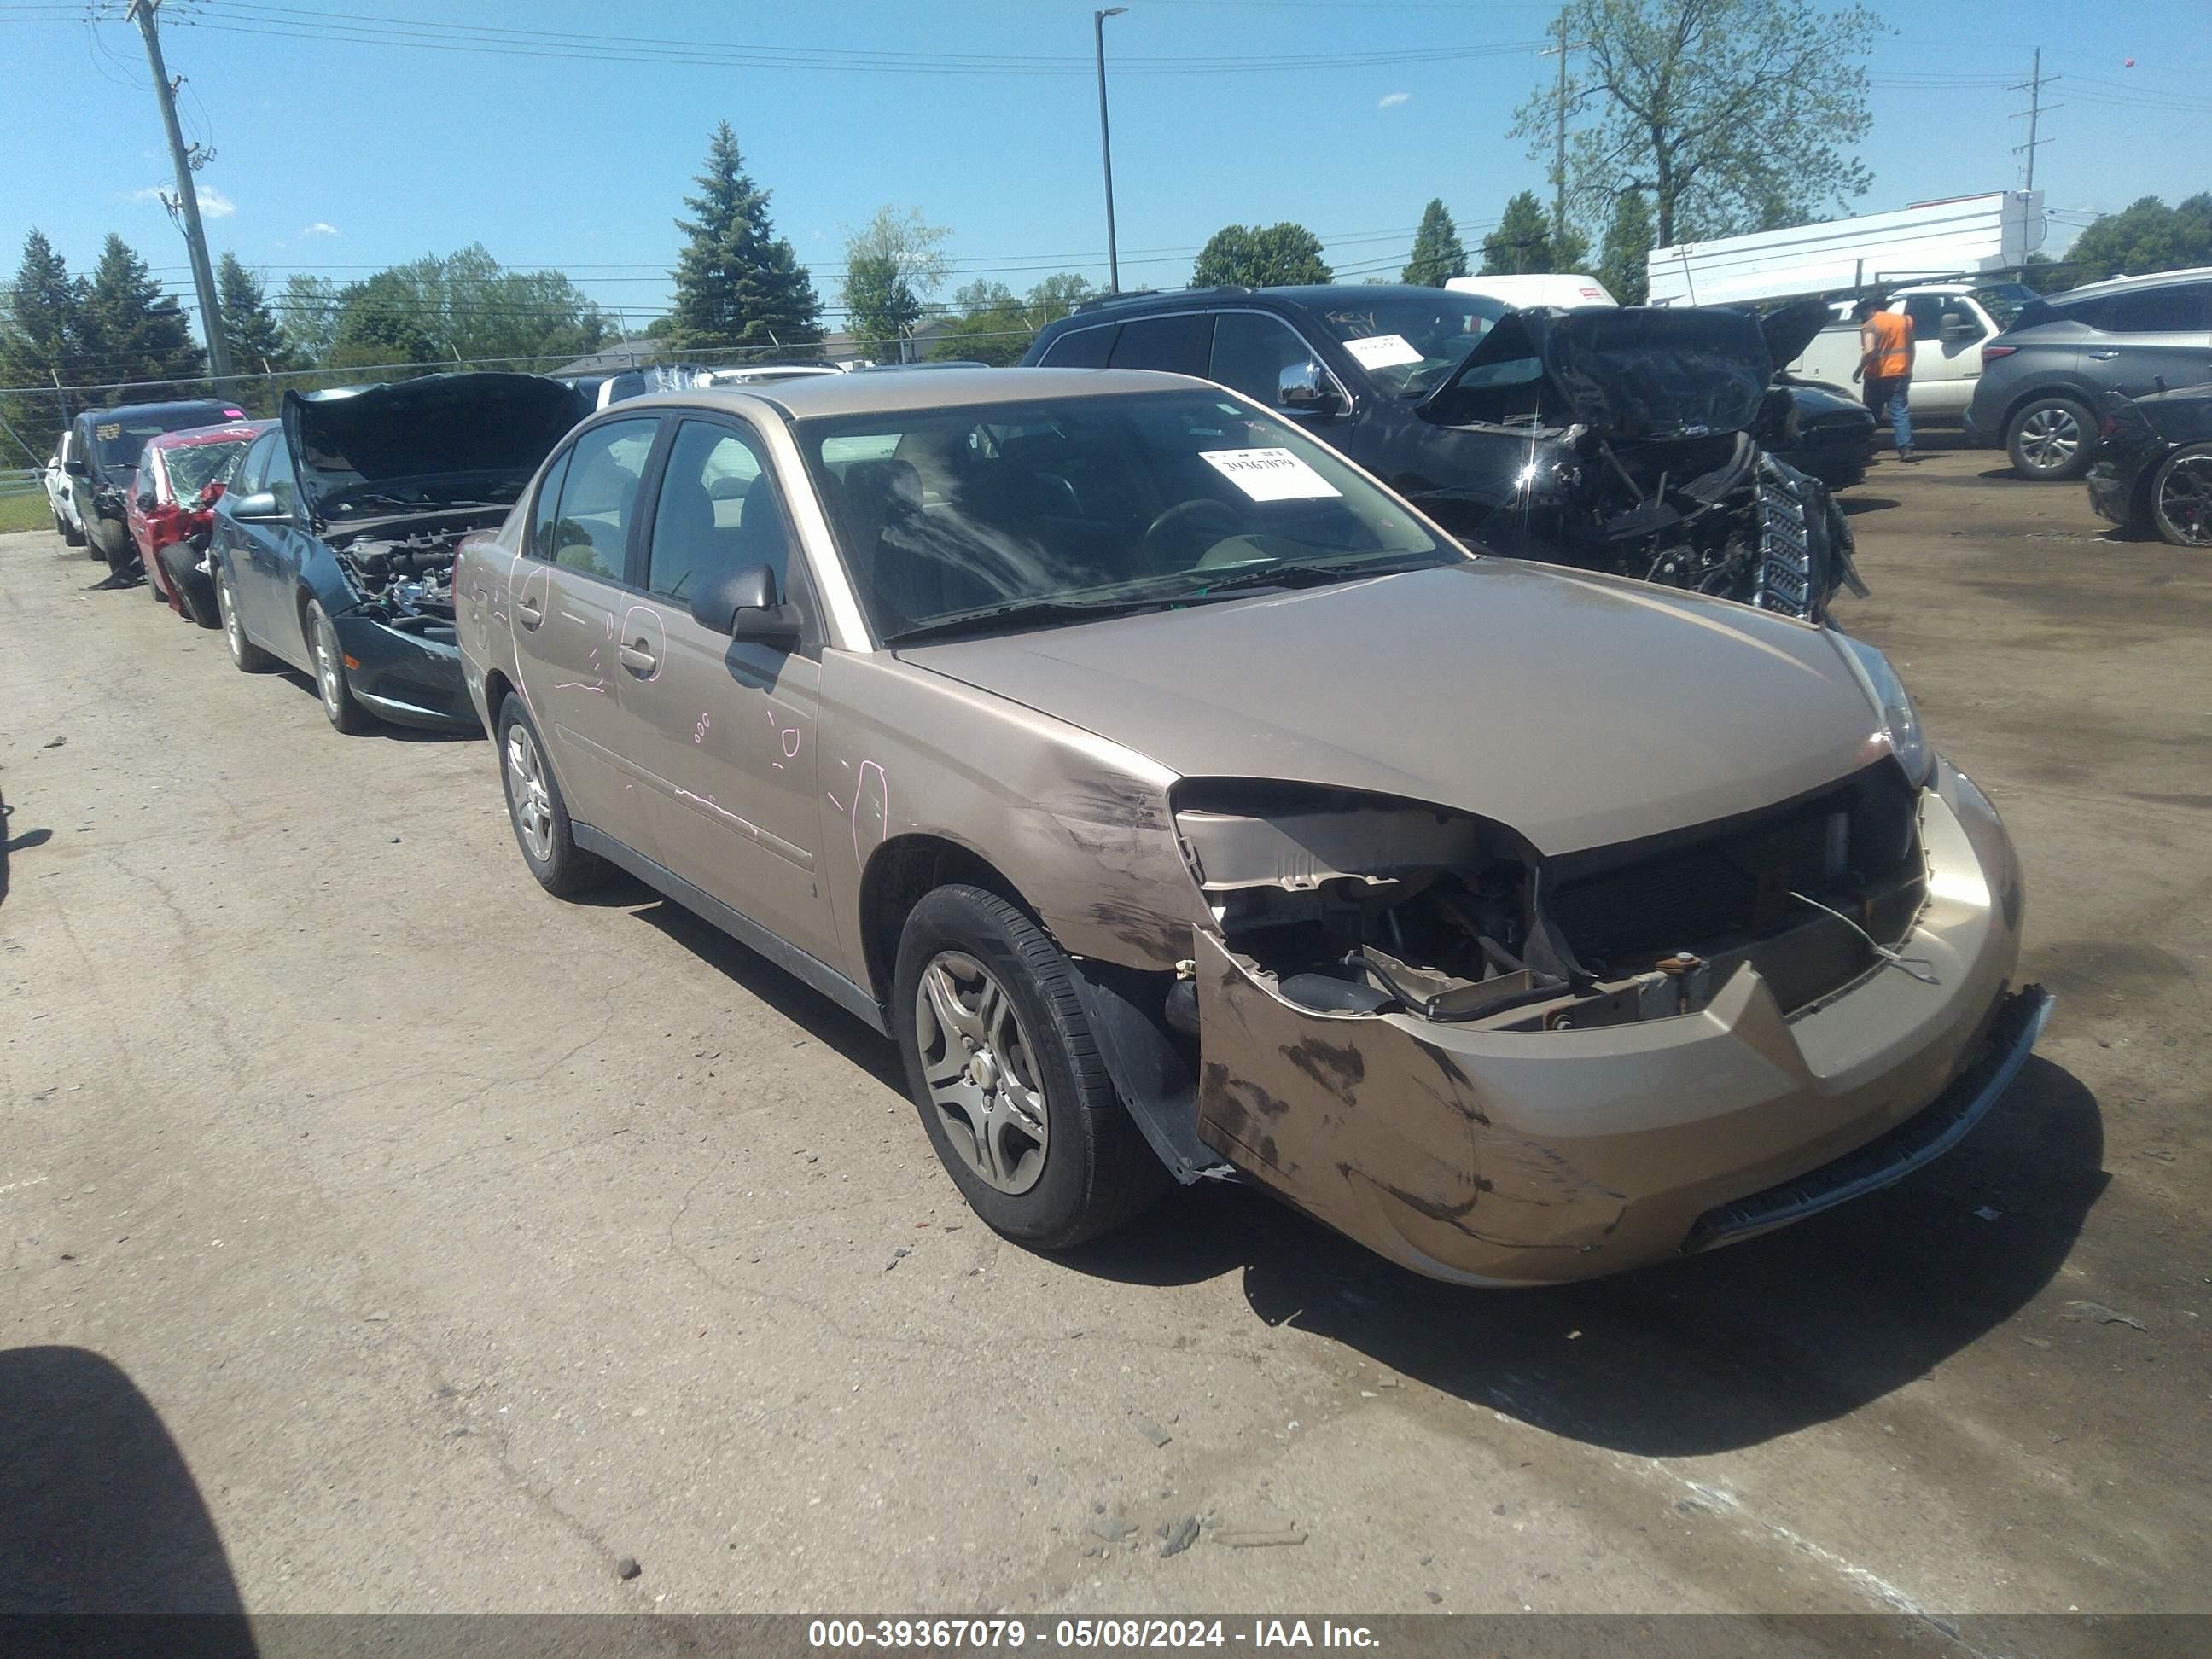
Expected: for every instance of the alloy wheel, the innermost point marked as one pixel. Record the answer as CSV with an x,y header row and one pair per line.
x,y
2184,500
233,633
2050,439
981,1072
526,793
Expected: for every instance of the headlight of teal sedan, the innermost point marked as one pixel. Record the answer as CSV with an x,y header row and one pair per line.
x,y
1900,720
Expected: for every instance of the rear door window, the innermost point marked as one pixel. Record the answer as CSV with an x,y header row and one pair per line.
x,y
545,512
1081,348
2181,309
1176,345
598,497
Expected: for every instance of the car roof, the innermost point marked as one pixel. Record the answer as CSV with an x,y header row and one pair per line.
x,y
230,431
819,395
2149,279
126,412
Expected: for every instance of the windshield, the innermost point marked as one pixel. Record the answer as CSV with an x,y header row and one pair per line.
x,y
2003,301
118,442
194,468
1409,342
1110,502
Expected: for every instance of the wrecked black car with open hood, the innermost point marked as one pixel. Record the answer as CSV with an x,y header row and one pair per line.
x,y
1641,441
333,550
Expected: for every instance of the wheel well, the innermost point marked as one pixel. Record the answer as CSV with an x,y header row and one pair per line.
x,y
900,873
497,688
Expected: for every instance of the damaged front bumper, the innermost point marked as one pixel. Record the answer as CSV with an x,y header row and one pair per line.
x,y
409,673
1525,1158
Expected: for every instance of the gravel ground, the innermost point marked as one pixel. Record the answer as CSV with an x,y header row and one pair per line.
x,y
380,1234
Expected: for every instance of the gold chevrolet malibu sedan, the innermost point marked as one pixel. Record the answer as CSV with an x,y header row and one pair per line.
x,y
1186,805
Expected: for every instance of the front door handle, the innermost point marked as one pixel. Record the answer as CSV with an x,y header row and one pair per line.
x,y
2104,357
638,659
530,614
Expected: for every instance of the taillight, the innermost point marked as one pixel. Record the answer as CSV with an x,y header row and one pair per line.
x,y
1991,353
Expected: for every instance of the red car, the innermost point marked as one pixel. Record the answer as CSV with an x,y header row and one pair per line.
x,y
179,476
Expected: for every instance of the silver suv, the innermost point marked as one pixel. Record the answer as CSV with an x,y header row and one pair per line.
x,y
2043,377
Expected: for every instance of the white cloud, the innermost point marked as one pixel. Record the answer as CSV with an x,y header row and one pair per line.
x,y
320,228
1392,100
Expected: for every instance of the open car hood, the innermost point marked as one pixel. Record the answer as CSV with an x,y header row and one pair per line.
x,y
1790,329
442,425
1633,373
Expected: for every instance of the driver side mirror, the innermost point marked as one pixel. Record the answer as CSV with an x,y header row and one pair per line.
x,y
259,507
1305,389
742,604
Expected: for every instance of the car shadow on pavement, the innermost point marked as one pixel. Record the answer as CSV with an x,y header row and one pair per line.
x,y
10,843
98,1512
1708,1353
1855,505
765,982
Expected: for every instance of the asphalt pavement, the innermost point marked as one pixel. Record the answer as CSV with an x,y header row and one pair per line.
x,y
380,1234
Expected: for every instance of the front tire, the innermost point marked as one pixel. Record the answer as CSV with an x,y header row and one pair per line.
x,y
2181,497
331,684
1003,1069
2051,439
537,811
245,656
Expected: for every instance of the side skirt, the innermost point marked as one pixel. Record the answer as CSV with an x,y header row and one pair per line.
x,y
798,963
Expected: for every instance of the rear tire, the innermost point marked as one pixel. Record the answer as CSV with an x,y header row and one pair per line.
x,y
2051,439
536,811
1012,1092
2181,497
331,684
245,656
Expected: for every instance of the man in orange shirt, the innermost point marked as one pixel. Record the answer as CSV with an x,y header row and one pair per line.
x,y
1886,366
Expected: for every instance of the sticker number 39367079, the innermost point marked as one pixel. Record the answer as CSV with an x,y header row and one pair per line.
x,y
1269,475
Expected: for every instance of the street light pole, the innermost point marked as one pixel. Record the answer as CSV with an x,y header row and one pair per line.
x,y
1106,145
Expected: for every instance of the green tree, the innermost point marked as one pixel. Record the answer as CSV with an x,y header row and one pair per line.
x,y
256,341
136,333
1057,296
465,308
1729,114
893,263
1524,241
1622,266
1248,256
738,284
991,327
41,339
310,307
1439,254
2146,236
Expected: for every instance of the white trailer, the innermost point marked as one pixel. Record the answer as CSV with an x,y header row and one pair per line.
x,y
1964,236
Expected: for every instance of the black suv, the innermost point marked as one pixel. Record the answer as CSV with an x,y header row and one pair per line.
x,y
103,458
1629,440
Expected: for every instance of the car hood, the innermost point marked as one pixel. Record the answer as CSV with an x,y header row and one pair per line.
x,y
1790,329
1818,403
1630,373
442,425
1578,710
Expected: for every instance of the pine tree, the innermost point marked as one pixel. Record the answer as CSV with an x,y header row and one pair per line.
x,y
135,333
258,345
1524,241
1439,254
41,337
737,283
1623,266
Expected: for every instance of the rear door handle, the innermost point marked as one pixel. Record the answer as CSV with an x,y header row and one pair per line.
x,y
2104,357
638,659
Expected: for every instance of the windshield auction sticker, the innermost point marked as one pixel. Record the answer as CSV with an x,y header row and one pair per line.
x,y
1269,475
1382,351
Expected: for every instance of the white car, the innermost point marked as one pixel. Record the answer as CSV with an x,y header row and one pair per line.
x,y
1565,289
61,500
1950,321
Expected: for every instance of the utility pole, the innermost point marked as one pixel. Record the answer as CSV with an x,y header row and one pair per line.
x,y
1106,146
2033,87
1559,130
218,348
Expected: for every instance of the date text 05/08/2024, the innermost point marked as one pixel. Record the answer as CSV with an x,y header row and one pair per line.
x,y
1072,1634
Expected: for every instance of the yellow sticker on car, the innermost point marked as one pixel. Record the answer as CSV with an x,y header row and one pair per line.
x,y
112,429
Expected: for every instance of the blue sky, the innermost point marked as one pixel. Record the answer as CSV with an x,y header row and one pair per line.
x,y
344,154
